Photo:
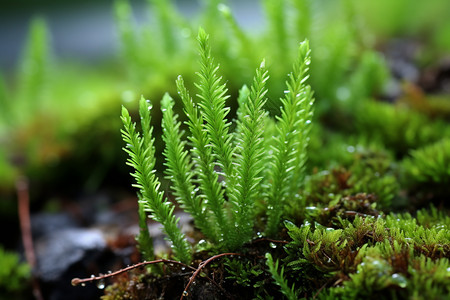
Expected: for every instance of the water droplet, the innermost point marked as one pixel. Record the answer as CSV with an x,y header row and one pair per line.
x,y
83,284
272,245
101,284
183,268
259,234
185,293
92,276
286,92
399,280
350,149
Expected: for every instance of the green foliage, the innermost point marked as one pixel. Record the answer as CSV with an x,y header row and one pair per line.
x,y
142,159
244,273
365,256
245,173
215,151
289,156
203,161
396,127
14,275
373,172
179,167
144,240
429,167
249,155
34,69
289,292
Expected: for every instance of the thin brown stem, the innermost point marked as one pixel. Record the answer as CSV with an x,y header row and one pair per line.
x,y
200,267
23,198
77,281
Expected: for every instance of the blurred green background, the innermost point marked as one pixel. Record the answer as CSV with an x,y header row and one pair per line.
x,y
380,72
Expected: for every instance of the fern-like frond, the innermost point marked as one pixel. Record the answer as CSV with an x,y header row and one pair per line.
x,y
290,142
179,167
212,104
249,152
142,159
289,292
208,179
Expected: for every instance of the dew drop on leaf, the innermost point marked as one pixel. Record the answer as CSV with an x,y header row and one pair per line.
x,y
399,280
101,284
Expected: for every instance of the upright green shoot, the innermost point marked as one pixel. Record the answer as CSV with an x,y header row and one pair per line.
x,y
144,240
289,292
179,167
212,104
219,176
142,159
207,178
249,154
290,143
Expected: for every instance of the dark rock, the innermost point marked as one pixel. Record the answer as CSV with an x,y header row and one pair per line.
x,y
46,223
60,250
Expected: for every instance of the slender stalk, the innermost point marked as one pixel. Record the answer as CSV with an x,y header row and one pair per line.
x,y
25,226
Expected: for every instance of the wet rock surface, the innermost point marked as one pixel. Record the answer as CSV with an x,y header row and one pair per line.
x,y
58,251
94,235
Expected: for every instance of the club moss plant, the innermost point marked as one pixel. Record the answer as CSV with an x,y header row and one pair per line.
x,y
239,168
244,182
252,168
